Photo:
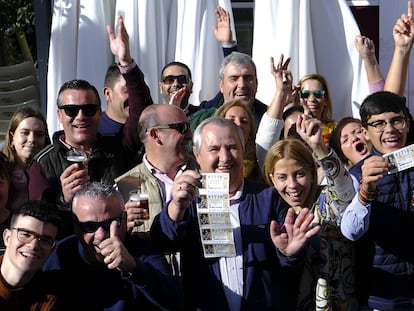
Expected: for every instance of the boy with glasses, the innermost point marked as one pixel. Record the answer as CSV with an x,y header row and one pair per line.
x,y
381,215
29,241
79,111
102,267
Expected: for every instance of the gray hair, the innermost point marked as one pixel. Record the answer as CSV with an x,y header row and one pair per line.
x,y
97,190
237,58
219,121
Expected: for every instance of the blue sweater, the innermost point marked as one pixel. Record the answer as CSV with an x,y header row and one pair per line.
x,y
85,286
270,279
391,227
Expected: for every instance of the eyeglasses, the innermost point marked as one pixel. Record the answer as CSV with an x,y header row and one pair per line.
x,y
181,79
398,123
26,236
93,226
306,93
72,111
181,127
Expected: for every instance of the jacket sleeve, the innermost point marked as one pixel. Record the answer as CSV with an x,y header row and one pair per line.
x,y
38,184
340,188
355,220
139,97
154,279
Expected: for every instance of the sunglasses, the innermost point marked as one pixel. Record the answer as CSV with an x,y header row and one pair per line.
x,y
306,93
72,111
181,79
181,127
93,226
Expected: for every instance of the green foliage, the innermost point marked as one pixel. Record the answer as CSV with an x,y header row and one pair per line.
x,y
16,16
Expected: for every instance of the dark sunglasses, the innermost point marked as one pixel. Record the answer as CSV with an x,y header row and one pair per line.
x,y
93,226
306,93
72,111
181,79
180,127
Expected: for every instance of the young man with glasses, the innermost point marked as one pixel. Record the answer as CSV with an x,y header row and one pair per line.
x,y
381,216
102,267
79,111
29,241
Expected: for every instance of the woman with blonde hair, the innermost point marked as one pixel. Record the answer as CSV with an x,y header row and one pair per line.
x,y
327,281
315,98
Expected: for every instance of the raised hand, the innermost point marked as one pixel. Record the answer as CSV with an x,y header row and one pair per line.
x,y
403,30
116,256
185,189
283,77
294,234
365,47
120,44
222,30
310,130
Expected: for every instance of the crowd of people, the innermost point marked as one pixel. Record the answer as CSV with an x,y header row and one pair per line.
x,y
315,216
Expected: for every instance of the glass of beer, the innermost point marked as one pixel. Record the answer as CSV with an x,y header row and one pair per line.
x,y
77,156
137,195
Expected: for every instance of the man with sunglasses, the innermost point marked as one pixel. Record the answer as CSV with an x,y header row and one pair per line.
x,y
29,241
165,132
381,216
176,83
176,86
79,112
102,267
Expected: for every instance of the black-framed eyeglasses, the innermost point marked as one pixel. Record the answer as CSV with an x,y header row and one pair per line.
x,y
181,127
306,93
379,125
26,236
72,111
181,79
93,226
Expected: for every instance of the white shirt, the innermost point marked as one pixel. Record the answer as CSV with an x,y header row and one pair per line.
x,y
231,268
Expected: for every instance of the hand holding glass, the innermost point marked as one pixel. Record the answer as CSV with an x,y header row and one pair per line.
x,y
79,157
136,196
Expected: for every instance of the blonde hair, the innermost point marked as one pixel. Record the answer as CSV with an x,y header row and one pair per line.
x,y
327,111
294,149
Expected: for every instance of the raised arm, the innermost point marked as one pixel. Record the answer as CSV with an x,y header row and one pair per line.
x,y
403,33
139,95
271,124
366,50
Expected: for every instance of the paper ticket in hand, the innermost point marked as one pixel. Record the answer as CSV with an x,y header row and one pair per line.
x,y
400,159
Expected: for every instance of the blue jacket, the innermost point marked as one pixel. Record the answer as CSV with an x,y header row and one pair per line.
x,y
391,227
85,286
270,279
